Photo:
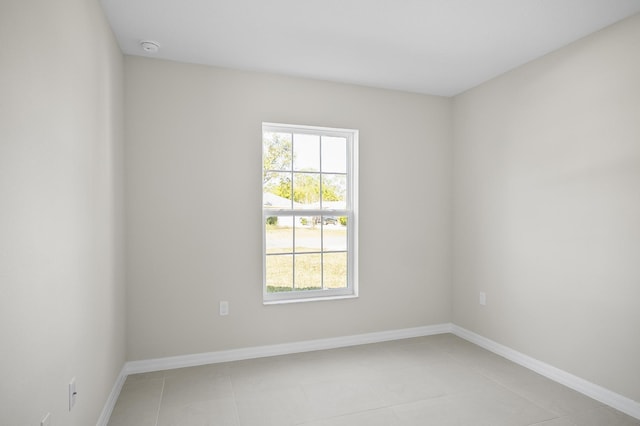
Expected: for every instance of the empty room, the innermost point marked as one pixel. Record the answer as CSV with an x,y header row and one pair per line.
x,y
336,213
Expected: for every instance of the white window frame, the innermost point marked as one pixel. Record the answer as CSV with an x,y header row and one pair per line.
x,y
351,212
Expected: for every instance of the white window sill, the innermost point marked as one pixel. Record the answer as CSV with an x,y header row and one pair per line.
x,y
309,299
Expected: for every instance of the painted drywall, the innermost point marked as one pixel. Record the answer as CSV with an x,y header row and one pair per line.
x,y
193,195
546,208
61,273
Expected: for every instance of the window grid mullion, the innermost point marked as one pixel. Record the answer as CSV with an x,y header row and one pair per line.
x,y
293,251
321,219
308,172
306,252
303,212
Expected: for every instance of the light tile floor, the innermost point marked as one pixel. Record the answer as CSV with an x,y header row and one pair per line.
x,y
436,380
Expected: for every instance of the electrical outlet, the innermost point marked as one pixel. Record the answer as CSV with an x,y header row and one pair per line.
x,y
224,308
46,420
73,394
483,298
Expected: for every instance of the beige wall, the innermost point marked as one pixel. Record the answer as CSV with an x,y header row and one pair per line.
x,y
193,179
547,208
61,287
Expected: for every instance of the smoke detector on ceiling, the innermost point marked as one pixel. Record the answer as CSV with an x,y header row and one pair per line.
x,y
150,46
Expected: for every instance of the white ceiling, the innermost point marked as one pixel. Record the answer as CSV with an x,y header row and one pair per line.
x,y
440,47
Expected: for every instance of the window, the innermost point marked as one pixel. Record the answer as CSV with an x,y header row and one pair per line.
x,y
309,205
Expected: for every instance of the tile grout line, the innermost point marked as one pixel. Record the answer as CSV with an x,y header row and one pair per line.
x,y
235,402
508,389
520,395
384,406
504,386
160,401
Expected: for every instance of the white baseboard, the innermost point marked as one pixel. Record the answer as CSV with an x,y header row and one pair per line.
x,y
610,398
103,420
169,363
145,366
617,401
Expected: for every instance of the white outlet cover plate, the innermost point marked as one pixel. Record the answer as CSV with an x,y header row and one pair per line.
x,y
46,420
73,394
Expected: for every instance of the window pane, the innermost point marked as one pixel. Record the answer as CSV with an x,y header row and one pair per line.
x,y
334,154
276,151
308,270
276,190
334,191
335,270
334,233
279,271
279,234
306,190
308,234
306,153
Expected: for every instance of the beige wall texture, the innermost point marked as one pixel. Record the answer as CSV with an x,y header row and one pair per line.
x,y
547,208
193,191
61,282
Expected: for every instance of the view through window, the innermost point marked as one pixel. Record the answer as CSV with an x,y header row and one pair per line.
x,y
309,206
